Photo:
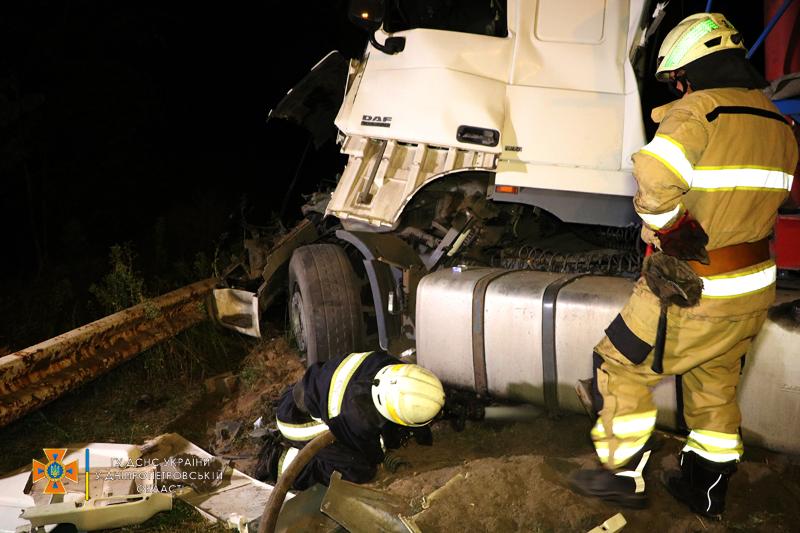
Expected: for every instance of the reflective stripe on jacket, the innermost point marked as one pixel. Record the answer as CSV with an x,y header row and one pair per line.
x,y
337,396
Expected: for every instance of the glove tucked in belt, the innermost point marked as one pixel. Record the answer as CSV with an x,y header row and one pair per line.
x,y
674,282
685,239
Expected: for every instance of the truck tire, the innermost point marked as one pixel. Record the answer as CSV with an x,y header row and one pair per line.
x,y
325,310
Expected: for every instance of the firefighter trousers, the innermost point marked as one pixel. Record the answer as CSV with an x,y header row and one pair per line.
x,y
707,351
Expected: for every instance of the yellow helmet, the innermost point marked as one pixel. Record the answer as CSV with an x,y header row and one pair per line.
x,y
694,37
407,394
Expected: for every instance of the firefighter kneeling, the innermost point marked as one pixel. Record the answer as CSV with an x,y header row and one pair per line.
x,y
370,402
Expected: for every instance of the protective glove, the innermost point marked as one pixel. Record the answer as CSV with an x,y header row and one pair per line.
x,y
674,282
686,239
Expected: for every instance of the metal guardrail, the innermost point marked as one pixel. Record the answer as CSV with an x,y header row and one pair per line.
x,y
41,373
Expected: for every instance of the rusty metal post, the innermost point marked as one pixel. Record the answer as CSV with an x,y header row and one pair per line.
x,y
39,374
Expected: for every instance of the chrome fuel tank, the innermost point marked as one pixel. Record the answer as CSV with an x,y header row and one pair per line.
x,y
528,336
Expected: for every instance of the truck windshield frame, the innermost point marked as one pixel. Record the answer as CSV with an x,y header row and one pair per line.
x,y
478,17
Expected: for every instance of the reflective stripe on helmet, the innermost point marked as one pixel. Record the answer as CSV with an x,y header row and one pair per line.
x,y
696,36
301,432
731,286
687,41
341,377
715,446
394,416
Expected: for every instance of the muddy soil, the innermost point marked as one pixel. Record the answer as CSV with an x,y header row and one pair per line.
x,y
510,475
495,475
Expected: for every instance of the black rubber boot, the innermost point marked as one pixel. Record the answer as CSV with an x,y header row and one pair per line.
x,y
623,486
701,484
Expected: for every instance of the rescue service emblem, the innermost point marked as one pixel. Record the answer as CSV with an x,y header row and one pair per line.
x,y
55,471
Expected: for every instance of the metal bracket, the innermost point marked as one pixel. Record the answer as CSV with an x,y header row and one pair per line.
x,y
385,256
549,364
478,334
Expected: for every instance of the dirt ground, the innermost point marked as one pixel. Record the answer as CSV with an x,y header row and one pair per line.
x,y
510,475
496,475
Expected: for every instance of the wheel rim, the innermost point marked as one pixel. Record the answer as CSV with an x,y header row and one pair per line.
x,y
296,318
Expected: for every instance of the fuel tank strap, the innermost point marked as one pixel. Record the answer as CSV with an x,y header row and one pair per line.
x,y
478,323
549,365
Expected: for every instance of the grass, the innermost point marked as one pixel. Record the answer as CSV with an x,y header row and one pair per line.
x,y
159,391
183,517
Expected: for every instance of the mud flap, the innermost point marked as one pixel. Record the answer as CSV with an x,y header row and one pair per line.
x,y
238,310
359,508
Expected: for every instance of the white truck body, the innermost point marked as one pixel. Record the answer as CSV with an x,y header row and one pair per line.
x,y
558,89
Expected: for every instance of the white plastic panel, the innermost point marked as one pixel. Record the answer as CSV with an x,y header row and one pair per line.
x,y
425,105
541,176
571,21
481,55
571,65
566,128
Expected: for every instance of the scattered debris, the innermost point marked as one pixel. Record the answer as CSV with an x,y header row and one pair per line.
x,y
100,513
302,513
612,525
359,508
236,500
225,433
223,384
259,429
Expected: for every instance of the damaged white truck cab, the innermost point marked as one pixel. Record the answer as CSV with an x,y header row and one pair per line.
x,y
540,93
488,177
478,132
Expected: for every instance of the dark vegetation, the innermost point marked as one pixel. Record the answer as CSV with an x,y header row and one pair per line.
x,y
143,123
133,142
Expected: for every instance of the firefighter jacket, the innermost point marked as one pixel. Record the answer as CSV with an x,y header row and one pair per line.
x,y
337,395
727,157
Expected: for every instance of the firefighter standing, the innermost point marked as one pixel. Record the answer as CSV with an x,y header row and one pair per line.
x,y
715,174
369,401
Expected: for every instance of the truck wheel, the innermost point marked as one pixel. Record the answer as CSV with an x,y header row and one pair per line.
x,y
324,303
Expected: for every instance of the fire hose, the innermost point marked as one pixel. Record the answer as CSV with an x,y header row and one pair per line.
x,y
269,518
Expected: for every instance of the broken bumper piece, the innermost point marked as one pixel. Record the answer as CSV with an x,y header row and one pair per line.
x,y
100,513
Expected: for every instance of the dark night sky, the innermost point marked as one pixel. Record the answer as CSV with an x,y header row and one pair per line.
x,y
117,113
113,114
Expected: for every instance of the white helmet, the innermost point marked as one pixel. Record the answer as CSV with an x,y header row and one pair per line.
x,y
694,37
407,394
